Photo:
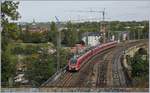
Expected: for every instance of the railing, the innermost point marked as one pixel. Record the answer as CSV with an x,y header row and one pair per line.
x,y
134,47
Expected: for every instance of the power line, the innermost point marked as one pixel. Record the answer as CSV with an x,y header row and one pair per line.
x,y
102,25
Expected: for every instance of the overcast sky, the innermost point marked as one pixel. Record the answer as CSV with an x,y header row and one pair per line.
x,y
45,11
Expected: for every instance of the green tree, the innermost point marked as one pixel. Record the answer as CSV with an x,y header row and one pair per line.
x,y
9,33
64,54
52,34
140,66
71,35
39,68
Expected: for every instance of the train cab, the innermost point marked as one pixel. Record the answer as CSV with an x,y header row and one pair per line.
x,y
73,63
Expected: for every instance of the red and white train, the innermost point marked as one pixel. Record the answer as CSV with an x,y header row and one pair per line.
x,y
76,61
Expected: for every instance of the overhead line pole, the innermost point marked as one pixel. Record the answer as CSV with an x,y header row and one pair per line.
x,y
102,25
58,44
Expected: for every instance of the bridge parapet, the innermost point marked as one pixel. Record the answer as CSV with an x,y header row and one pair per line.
x,y
132,50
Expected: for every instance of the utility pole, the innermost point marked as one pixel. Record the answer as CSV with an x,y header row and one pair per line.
x,y
58,44
86,38
103,27
58,49
134,35
128,35
108,30
138,34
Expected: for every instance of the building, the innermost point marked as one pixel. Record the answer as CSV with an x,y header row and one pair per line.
x,y
91,38
21,79
34,28
37,29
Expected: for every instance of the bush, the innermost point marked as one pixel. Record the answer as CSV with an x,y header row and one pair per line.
x,y
140,66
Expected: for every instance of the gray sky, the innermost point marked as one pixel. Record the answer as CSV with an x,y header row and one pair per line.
x,y
44,11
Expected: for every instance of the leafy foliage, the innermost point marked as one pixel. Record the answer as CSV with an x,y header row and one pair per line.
x,y
39,69
140,66
64,54
36,37
9,33
52,34
70,35
9,10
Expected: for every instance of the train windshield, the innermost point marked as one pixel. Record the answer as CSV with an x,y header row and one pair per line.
x,y
73,59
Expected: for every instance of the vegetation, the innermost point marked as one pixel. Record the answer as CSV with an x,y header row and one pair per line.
x,y
39,68
70,35
140,66
52,34
72,32
33,37
34,47
40,63
9,34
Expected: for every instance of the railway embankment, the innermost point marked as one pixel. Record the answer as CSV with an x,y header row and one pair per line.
x,y
127,65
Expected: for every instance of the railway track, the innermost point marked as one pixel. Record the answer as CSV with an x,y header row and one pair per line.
x,y
110,72
63,81
118,76
103,70
102,80
88,73
81,78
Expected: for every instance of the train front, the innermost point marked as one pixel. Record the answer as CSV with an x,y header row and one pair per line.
x,y
72,63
